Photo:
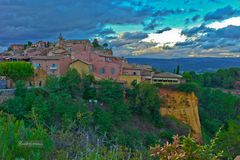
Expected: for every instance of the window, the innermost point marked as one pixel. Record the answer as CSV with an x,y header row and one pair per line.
x,y
134,73
53,66
90,68
40,83
108,59
101,71
37,65
113,71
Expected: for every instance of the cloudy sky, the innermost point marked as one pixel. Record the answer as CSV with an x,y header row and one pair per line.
x,y
144,28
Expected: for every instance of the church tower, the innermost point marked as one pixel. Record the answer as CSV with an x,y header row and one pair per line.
x,y
60,41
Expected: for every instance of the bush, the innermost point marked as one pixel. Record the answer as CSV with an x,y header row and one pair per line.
x,y
188,87
19,142
103,120
16,70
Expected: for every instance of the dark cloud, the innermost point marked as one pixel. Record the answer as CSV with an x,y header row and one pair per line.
x,y
212,42
184,44
22,20
165,12
187,21
128,38
221,13
195,18
235,50
196,30
134,35
232,32
191,10
150,25
163,30
106,31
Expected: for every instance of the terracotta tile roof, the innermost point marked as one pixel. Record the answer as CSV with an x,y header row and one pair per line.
x,y
77,41
86,62
136,66
48,57
166,75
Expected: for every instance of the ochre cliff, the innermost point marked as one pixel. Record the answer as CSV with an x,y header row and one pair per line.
x,y
184,107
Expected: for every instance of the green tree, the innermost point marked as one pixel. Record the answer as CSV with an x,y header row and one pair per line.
x,y
95,43
103,120
16,70
216,108
187,76
29,43
105,45
145,101
110,92
229,139
20,142
178,69
70,81
88,87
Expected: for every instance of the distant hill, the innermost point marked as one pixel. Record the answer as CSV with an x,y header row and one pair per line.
x,y
189,64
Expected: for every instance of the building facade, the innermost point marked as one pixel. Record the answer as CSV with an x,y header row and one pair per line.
x,y
53,65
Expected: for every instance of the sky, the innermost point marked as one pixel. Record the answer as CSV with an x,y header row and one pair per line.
x,y
132,28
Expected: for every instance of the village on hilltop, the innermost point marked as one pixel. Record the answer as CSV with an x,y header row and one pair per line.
x,y
84,56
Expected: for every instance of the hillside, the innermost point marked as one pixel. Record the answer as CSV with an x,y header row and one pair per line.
x,y
76,116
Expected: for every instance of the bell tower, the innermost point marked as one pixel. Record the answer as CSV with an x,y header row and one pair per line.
x,y
60,41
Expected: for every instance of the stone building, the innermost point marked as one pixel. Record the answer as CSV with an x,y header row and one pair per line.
x,y
53,65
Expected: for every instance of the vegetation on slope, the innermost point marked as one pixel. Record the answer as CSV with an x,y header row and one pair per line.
x,y
85,119
74,105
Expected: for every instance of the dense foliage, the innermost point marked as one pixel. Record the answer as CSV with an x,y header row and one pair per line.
x,y
217,108
21,142
76,104
82,117
224,78
16,70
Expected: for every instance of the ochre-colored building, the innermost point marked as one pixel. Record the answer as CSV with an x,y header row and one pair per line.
x,y
128,79
83,67
38,79
133,72
167,78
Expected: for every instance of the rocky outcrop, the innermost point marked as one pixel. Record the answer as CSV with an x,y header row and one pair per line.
x,y
184,107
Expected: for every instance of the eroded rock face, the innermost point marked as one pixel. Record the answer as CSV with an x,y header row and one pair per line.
x,y
184,107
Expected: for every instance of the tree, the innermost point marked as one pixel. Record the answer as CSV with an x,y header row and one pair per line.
x,y
88,87
229,139
95,43
188,87
110,91
215,109
29,43
105,45
145,101
103,120
70,81
16,70
178,69
18,141
187,76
